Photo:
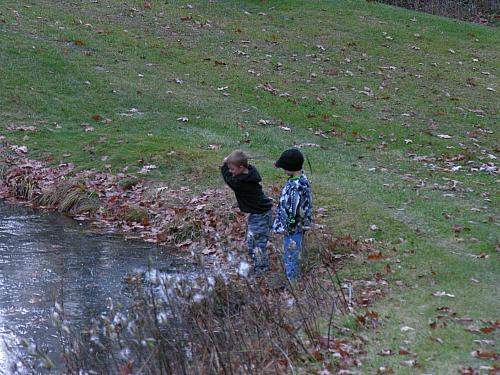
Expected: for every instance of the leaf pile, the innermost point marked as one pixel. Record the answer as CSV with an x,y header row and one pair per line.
x,y
163,215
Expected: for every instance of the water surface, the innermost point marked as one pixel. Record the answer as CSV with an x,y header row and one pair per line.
x,y
47,257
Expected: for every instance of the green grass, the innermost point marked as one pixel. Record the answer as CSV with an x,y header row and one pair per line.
x,y
62,64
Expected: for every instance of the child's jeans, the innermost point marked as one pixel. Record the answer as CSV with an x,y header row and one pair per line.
x,y
257,236
292,244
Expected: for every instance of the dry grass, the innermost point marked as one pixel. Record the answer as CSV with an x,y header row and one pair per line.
x,y
208,325
72,198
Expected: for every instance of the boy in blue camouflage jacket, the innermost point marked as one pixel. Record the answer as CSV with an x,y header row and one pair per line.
x,y
294,211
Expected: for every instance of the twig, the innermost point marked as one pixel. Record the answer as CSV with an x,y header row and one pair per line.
x,y
288,359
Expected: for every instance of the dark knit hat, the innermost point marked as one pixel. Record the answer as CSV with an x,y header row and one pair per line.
x,y
290,160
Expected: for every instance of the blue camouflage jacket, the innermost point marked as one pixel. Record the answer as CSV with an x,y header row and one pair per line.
x,y
294,211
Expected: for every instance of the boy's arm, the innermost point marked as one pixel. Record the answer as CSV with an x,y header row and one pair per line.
x,y
227,176
292,207
306,208
300,208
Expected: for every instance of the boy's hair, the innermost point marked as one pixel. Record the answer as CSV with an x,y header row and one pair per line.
x,y
238,158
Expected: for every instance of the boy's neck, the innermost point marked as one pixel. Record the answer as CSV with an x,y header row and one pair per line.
x,y
295,174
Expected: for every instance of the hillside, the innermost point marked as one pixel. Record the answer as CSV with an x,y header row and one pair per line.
x,y
396,111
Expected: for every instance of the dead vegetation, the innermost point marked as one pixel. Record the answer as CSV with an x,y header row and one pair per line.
x,y
71,198
210,325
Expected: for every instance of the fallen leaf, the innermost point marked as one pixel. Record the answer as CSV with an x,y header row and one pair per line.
x,y
375,256
487,329
301,145
387,268
385,370
443,294
318,355
472,329
147,169
208,251
485,342
386,352
19,149
403,351
457,228
23,128
484,354
264,122
408,363
464,320
407,329
437,339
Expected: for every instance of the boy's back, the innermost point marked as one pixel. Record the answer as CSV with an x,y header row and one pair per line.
x,y
247,189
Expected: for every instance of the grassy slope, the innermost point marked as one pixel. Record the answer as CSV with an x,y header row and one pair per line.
x,y
62,64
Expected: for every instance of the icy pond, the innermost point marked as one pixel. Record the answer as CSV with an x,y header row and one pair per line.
x,y
47,257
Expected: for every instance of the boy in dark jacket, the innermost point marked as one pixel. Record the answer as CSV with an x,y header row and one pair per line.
x,y
244,180
294,211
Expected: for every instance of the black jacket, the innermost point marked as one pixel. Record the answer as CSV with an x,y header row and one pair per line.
x,y
248,191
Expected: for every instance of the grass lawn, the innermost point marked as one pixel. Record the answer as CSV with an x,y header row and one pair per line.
x,y
397,112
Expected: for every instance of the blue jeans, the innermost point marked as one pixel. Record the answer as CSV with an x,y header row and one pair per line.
x,y
292,244
257,237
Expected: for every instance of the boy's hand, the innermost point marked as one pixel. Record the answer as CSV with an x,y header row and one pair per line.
x,y
224,162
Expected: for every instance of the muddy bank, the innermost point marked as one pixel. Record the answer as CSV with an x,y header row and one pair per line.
x,y
204,224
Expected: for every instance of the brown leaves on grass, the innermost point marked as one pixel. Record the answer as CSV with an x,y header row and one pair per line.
x,y
346,351
485,354
369,319
269,88
14,127
491,370
409,363
385,370
492,328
